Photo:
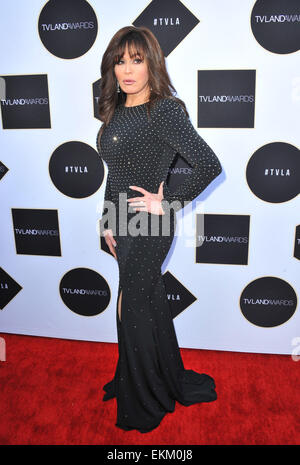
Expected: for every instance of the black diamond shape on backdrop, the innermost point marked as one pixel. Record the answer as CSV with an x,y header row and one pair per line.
x,y
169,20
9,288
179,296
3,169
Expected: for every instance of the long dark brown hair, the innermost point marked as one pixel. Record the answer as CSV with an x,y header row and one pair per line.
x,y
142,42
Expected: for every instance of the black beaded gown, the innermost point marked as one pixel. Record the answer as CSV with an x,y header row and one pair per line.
x,y
150,375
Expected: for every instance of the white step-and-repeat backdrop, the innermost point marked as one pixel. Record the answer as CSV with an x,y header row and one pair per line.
x,y
235,63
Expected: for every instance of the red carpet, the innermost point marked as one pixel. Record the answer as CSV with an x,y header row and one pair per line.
x,y
51,393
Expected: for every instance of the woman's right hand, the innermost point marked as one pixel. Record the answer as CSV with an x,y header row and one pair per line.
x,y
110,241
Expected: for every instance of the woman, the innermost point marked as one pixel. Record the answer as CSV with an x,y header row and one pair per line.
x,y
144,126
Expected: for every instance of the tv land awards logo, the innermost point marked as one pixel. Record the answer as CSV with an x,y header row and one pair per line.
x,y
226,98
26,102
273,172
36,231
76,169
67,28
276,25
222,239
85,292
9,288
169,20
268,302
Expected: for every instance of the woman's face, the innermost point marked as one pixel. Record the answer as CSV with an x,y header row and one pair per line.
x,y
132,75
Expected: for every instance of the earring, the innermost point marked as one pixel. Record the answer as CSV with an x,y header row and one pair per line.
x,y
118,87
